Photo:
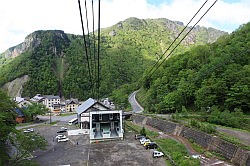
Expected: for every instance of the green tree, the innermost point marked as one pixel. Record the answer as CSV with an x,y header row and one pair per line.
x,y
7,123
33,110
25,144
143,131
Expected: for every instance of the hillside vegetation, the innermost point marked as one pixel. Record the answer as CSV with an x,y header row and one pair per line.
x,y
55,62
213,77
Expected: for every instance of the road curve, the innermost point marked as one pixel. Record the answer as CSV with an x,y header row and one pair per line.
x,y
136,107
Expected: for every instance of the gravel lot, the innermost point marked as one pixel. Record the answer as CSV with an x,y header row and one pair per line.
x,y
79,152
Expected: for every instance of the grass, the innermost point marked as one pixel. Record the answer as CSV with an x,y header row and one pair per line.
x,y
177,151
55,122
149,133
67,114
197,147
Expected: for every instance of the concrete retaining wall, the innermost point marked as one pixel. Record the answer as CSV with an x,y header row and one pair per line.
x,y
228,150
198,137
165,126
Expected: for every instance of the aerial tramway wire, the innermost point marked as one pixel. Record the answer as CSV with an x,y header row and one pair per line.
x,y
90,52
98,50
94,48
177,37
85,45
149,76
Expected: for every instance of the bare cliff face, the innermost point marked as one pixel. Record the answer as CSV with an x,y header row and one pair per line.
x,y
31,41
15,87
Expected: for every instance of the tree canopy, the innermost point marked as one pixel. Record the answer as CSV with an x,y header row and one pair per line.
x,y
215,74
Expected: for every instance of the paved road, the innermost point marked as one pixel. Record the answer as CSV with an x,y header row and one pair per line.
x,y
137,108
54,118
46,119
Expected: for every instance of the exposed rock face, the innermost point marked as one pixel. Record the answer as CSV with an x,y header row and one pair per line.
x,y
112,33
15,87
31,41
198,34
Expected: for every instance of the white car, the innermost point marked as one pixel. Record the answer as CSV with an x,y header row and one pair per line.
x,y
60,136
157,154
196,156
64,128
63,140
142,141
28,130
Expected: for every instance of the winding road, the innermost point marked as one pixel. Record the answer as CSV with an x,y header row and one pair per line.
x,y
136,107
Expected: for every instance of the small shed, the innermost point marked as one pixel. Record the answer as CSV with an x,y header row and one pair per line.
x,y
20,118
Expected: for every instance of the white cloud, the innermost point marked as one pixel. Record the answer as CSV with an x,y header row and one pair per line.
x,y
20,18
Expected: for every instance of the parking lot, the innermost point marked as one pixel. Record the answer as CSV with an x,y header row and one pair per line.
x,y
78,151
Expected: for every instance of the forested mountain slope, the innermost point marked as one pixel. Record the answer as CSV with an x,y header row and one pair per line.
x,y
55,62
214,75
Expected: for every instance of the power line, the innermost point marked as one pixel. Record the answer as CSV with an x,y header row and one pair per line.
x,y
181,41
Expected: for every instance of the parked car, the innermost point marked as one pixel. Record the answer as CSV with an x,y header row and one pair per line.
x,y
60,136
137,136
142,141
63,140
64,128
61,131
28,130
143,138
146,143
151,145
196,156
157,154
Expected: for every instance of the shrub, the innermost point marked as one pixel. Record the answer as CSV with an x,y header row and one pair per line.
x,y
143,131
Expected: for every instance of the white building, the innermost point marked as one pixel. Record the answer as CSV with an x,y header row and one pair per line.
x,y
38,98
52,103
102,122
22,102
106,125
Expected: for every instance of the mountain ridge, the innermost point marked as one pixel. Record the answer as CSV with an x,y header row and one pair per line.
x,y
52,58
32,41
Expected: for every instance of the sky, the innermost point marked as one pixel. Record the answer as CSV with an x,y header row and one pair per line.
x,y
20,18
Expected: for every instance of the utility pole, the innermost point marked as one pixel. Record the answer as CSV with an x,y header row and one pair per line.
x,y
49,116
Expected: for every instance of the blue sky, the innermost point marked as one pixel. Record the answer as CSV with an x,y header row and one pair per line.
x,y
158,2
20,18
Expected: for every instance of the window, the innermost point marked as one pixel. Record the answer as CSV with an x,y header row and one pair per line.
x,y
100,116
110,116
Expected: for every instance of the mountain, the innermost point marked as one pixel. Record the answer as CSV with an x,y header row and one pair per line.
x,y
215,76
52,62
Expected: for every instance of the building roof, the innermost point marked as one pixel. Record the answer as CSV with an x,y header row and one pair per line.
x,y
72,101
19,112
51,97
87,104
37,98
19,99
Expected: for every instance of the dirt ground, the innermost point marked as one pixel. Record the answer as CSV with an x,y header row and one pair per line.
x,y
79,152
